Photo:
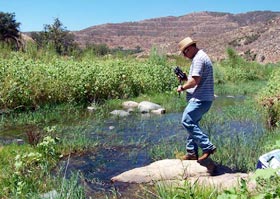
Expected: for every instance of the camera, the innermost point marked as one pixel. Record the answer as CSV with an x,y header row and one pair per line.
x,y
178,71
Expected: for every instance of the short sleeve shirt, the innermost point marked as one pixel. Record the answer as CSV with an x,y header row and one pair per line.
x,y
201,66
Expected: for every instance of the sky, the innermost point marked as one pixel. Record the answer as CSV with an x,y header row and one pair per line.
x,y
81,14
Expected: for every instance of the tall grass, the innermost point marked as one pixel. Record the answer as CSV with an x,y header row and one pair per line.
x,y
185,191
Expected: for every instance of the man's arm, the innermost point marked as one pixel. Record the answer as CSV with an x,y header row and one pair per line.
x,y
192,82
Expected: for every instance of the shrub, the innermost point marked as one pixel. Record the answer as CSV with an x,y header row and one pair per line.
x,y
27,171
31,83
269,98
236,69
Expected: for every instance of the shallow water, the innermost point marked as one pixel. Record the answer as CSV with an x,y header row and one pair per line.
x,y
126,143
125,147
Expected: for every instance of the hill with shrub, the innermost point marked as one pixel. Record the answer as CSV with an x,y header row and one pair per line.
x,y
254,35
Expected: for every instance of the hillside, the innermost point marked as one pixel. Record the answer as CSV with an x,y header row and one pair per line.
x,y
256,35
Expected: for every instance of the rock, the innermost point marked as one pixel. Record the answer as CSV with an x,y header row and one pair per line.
x,y
130,110
146,107
176,172
130,105
145,115
111,127
159,111
120,113
220,182
18,141
50,195
91,108
168,169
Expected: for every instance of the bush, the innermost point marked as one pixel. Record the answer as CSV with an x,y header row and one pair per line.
x,y
27,171
236,69
31,83
269,98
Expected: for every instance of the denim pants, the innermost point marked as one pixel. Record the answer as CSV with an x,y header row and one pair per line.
x,y
190,119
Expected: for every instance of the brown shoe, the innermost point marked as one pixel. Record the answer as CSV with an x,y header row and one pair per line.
x,y
189,157
206,154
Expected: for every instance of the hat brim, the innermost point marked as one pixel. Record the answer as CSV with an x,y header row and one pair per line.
x,y
181,52
189,44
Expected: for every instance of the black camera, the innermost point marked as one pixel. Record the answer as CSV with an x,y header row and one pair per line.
x,y
178,71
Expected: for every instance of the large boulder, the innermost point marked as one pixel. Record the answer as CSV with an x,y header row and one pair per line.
x,y
177,171
168,169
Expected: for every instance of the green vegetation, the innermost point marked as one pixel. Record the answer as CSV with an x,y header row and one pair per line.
x,y
25,171
234,69
46,85
9,30
39,86
57,36
31,83
269,98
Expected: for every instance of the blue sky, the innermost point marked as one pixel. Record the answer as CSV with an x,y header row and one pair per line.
x,y
81,14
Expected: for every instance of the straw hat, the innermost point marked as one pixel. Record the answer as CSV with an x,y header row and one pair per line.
x,y
185,43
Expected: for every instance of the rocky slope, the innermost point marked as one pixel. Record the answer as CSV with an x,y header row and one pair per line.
x,y
253,34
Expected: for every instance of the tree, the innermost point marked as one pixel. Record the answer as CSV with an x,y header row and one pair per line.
x,y
58,36
9,29
97,49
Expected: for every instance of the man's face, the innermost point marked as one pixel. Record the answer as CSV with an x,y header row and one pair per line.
x,y
189,52
186,52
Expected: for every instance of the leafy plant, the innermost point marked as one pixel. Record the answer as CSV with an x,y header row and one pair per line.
x,y
269,98
29,169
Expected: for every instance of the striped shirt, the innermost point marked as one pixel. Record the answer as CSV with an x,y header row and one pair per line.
x,y
201,66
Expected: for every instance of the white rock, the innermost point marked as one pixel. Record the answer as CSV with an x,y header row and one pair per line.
x,y
50,195
120,113
111,127
168,169
175,172
130,110
19,141
91,108
220,182
145,106
159,111
130,104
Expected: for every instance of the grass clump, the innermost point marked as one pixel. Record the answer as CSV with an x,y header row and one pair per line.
x,y
27,172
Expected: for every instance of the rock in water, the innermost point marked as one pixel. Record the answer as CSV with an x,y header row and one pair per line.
x,y
176,172
168,169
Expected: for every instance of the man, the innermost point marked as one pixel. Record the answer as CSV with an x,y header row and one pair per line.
x,y
200,94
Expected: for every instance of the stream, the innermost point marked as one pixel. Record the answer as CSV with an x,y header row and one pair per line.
x,y
128,143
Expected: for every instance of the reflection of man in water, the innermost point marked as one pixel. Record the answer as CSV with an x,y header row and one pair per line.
x,y
200,94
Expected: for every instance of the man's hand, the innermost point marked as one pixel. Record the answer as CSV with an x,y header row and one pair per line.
x,y
192,82
180,88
